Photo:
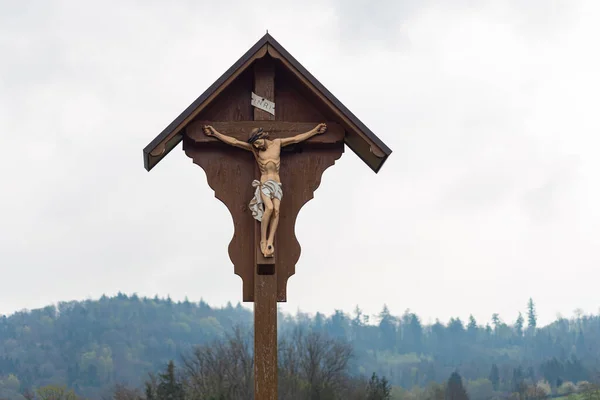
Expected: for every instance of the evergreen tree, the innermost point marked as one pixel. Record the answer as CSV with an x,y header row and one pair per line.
x,y
530,374
387,329
379,389
455,328
187,303
574,371
415,330
496,321
357,323
337,323
495,376
580,343
472,328
519,325
488,330
552,370
169,388
531,316
319,322
150,392
455,389
203,305
517,380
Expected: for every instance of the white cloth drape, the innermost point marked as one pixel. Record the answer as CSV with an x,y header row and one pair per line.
x,y
271,189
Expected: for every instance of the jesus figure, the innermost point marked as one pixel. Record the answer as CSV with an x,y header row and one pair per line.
x,y
268,191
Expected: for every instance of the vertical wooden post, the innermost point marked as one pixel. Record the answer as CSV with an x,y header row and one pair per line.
x,y
265,282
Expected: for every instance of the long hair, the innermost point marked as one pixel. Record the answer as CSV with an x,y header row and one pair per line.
x,y
257,133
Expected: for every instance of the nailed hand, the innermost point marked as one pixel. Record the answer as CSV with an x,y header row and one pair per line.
x,y
321,128
208,130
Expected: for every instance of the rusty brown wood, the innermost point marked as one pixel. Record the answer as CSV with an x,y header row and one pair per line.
x,y
265,285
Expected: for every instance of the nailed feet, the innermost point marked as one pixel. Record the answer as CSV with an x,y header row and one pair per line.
x,y
267,249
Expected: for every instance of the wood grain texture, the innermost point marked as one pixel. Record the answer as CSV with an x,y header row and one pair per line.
x,y
300,175
265,337
277,129
229,172
300,172
264,86
265,286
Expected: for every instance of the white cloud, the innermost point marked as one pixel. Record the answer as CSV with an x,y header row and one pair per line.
x,y
489,197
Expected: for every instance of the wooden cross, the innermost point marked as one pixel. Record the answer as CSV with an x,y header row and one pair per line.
x,y
266,88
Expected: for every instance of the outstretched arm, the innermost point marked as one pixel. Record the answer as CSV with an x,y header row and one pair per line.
x,y
210,131
317,130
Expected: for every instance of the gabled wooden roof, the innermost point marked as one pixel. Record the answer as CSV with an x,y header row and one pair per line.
x,y
358,137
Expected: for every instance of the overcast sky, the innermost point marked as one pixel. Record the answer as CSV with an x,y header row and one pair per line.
x,y
490,196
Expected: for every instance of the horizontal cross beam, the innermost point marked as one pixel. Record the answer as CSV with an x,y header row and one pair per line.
x,y
277,129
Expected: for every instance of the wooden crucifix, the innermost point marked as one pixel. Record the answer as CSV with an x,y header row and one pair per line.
x,y
265,204
264,133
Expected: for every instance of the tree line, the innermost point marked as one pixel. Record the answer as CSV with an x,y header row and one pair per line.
x,y
93,345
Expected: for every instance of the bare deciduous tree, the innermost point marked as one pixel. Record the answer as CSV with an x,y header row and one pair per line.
x,y
223,369
312,366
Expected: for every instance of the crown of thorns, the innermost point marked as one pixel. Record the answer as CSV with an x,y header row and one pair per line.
x,y
259,134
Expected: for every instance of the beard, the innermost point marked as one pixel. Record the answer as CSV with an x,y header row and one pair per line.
x,y
261,147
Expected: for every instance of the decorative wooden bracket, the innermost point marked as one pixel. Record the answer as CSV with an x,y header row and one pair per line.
x,y
229,173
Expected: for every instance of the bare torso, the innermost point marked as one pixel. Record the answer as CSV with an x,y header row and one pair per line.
x,y
269,161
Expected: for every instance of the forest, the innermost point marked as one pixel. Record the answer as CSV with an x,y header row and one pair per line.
x,y
122,346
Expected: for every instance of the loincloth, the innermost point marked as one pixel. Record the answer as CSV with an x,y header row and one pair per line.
x,y
271,189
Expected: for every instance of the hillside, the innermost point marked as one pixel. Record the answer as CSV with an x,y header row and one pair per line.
x,y
93,345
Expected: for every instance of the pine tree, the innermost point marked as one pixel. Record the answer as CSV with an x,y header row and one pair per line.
x,y
358,317
319,322
472,327
580,343
455,389
519,325
495,376
150,394
496,321
517,380
416,331
488,330
379,389
531,316
169,388
530,374
387,329
357,323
